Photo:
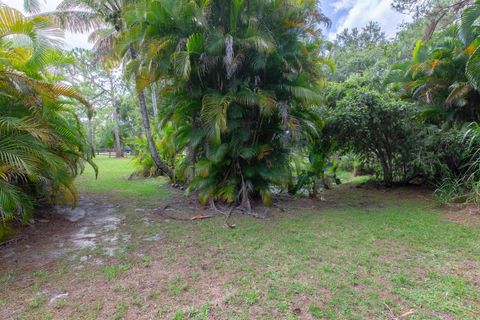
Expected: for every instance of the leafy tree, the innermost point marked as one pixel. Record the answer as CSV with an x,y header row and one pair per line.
x,y
42,146
438,13
368,36
105,88
374,125
105,18
357,52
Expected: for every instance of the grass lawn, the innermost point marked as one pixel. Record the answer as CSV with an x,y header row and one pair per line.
x,y
113,181
360,254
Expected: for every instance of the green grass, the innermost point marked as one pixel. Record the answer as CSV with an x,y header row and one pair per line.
x,y
364,254
113,180
352,262
348,177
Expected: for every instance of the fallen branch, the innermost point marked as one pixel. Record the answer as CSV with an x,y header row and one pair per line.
x,y
200,217
4,243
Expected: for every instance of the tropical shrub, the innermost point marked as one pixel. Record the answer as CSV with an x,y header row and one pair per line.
x,y
443,78
42,146
378,126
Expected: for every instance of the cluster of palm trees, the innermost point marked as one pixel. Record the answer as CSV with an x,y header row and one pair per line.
x,y
42,146
238,81
445,70
241,79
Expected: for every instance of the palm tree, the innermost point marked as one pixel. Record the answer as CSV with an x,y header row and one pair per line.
x,y
105,18
440,75
42,146
240,77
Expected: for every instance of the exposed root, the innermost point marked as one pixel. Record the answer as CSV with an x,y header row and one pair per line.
x,y
249,212
214,207
4,243
229,213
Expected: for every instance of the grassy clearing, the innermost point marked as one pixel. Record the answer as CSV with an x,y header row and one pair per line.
x,y
362,254
113,181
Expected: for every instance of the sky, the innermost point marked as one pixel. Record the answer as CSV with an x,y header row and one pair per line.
x,y
71,40
343,13
357,13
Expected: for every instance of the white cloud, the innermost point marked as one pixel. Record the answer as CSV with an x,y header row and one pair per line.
x,y
72,40
342,5
360,12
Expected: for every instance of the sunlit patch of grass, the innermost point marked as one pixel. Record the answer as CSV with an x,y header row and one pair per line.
x,y
113,180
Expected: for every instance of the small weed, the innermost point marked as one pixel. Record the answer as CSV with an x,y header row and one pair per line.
x,y
37,302
195,276
60,304
6,278
153,295
273,292
315,311
136,301
120,310
146,261
119,288
179,315
251,297
176,286
40,277
79,307
113,270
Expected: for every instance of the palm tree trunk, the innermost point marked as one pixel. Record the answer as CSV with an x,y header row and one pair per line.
x,y
116,127
148,133
154,102
142,103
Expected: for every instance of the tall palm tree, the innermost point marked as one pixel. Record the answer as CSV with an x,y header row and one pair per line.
x,y
105,18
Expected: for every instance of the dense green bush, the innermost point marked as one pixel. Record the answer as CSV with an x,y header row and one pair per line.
x,y
379,126
396,140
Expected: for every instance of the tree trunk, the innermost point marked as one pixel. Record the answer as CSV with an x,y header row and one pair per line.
x,y
387,173
116,127
116,133
154,102
148,133
142,103
90,135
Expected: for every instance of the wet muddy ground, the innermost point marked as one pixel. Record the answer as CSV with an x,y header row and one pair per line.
x,y
55,233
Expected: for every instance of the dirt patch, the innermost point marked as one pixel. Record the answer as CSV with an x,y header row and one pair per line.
x,y
59,231
468,215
